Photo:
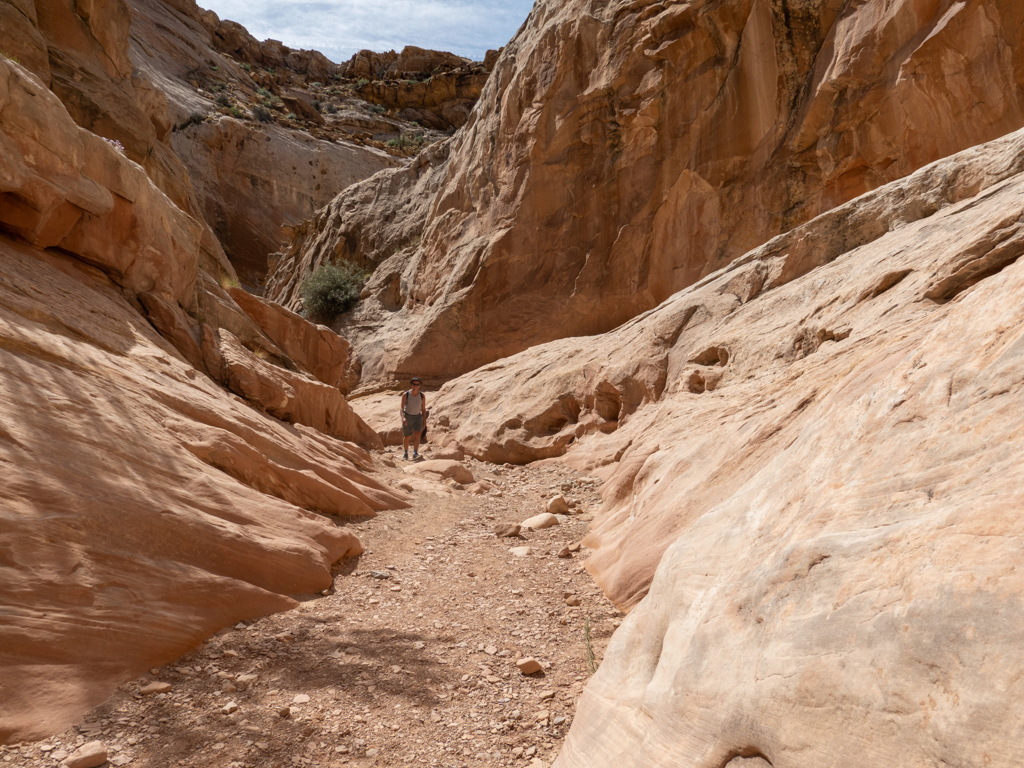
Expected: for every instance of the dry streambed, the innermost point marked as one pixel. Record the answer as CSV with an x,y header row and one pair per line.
x,y
411,659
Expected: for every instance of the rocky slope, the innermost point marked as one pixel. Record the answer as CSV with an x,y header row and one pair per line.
x,y
623,150
811,462
268,134
144,505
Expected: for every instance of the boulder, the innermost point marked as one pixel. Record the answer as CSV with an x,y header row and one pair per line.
x,y
529,665
557,505
92,754
540,522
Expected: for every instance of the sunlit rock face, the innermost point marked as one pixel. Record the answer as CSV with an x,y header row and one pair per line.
x,y
623,150
811,508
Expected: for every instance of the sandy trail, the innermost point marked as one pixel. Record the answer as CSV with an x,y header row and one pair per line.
x,y
411,660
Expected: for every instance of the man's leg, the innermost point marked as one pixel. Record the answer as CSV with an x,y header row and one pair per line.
x,y
416,442
405,445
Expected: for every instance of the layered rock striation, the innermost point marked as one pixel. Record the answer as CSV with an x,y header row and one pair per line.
x,y
810,508
144,506
621,152
252,180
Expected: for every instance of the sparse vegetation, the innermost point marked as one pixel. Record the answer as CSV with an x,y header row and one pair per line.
x,y
237,113
194,119
10,57
331,289
291,116
262,114
246,66
408,141
223,100
331,109
361,82
263,92
379,109
318,105
591,657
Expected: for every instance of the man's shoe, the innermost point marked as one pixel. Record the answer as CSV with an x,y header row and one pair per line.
x,y
415,454
405,456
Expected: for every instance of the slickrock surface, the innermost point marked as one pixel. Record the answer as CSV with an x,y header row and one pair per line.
x,y
143,506
410,660
812,474
620,152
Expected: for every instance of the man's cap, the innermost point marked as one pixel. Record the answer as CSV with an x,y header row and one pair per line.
x,y
414,379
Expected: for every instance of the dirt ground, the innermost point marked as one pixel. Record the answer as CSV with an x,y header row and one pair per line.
x,y
411,660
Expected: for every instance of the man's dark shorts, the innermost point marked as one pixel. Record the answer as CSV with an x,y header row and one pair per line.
x,y
413,425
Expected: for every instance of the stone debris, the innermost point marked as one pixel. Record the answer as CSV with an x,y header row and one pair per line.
x,y
90,755
507,531
154,688
540,522
558,506
529,665
333,670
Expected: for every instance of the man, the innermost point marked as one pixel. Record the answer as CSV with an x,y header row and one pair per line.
x,y
414,405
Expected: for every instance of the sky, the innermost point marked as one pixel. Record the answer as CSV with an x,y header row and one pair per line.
x,y
339,28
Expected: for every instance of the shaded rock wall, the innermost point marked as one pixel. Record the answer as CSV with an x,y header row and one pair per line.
x,y
143,505
623,150
812,482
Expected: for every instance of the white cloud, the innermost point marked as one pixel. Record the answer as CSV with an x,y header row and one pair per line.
x,y
339,28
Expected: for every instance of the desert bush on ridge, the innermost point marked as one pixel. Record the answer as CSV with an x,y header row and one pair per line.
x,y
331,289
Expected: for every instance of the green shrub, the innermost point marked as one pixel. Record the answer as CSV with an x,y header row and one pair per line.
x,y
194,119
236,113
361,82
263,92
11,57
246,66
291,116
408,141
223,100
262,114
331,289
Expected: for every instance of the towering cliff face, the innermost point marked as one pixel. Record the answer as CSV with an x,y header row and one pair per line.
x,y
623,150
812,465
144,506
252,180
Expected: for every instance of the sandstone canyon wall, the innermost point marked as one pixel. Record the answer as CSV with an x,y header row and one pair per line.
x,y
812,464
143,505
623,150
252,180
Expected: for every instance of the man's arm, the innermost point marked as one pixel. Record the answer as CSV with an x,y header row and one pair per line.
x,y
404,396
424,408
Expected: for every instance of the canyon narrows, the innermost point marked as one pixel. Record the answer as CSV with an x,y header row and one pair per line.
x,y
718,308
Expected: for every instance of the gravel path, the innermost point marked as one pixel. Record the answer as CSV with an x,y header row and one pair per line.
x,y
411,660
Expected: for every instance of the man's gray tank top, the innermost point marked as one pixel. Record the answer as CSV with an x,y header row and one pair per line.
x,y
413,403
